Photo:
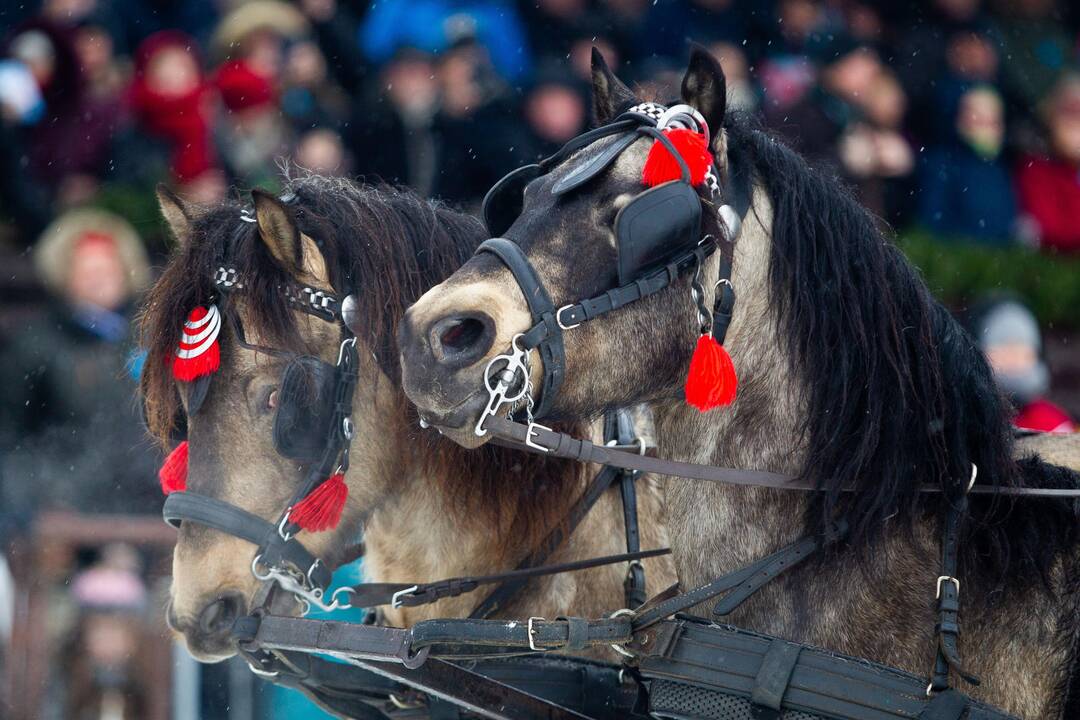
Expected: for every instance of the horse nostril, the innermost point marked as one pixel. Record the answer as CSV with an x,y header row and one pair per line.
x,y
218,617
461,340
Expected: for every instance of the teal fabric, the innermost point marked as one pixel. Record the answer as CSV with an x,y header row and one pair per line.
x,y
288,704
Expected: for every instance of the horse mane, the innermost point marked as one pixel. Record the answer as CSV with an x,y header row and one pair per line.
x,y
390,246
898,395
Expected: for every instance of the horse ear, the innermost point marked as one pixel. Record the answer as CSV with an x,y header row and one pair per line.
x,y
277,229
176,214
610,95
704,88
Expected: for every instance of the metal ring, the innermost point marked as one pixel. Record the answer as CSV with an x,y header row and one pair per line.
x,y
341,350
255,562
723,281
624,612
347,427
974,474
558,318
316,591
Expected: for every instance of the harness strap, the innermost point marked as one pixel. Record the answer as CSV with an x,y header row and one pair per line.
x,y
591,308
219,515
550,346
543,440
404,595
947,628
477,693
745,581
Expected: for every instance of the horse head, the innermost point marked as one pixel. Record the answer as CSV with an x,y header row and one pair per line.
x,y
256,426
585,222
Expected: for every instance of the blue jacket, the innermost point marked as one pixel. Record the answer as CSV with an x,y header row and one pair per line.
x,y
963,195
422,24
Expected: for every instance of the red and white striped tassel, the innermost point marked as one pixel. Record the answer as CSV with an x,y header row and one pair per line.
x,y
198,353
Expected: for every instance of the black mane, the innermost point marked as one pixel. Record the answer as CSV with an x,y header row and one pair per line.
x,y
898,394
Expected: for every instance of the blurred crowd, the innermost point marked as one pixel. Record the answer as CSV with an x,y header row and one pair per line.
x,y
959,117
915,103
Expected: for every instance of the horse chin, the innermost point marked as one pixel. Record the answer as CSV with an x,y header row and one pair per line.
x,y
459,423
210,655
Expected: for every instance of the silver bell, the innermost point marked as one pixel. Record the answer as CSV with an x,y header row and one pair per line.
x,y
350,313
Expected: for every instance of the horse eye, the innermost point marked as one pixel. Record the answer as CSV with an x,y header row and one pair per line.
x,y
272,400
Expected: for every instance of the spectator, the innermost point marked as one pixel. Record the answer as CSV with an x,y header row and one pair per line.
x,y
393,133
103,673
434,26
965,189
68,144
556,110
875,154
1009,335
71,434
173,103
1049,186
816,122
477,138
321,151
1035,50
251,131
309,98
742,92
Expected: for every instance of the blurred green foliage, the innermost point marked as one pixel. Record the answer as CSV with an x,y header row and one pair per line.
x,y
960,273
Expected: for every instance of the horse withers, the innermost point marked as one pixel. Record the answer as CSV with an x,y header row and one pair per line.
x,y
425,509
850,377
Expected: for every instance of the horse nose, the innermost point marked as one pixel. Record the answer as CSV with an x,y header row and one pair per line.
x,y
459,340
216,619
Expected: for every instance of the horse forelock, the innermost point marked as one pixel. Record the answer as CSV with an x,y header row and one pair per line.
x,y
897,394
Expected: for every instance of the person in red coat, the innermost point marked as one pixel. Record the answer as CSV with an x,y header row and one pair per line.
x,y
1009,335
1049,187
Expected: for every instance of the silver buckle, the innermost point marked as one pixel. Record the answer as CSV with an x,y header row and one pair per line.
x,y
532,639
558,318
531,431
946,578
615,646
395,599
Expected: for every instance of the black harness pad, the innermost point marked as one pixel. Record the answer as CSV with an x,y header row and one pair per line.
x,y
305,409
504,200
655,226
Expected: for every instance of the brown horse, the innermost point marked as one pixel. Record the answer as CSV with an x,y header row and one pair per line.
x,y
851,377
426,509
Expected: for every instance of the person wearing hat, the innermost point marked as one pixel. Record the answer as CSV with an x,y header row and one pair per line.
x,y
71,435
1009,336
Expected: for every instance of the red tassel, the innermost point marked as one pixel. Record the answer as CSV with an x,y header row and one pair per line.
x,y
199,343
189,369
661,166
321,509
712,381
173,472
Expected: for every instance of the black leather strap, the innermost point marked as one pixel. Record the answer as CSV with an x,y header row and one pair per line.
x,y
594,307
403,595
556,444
947,705
536,634
745,581
947,628
275,551
771,681
550,347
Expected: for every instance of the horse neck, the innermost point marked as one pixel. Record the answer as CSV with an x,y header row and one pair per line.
x,y
759,431
420,535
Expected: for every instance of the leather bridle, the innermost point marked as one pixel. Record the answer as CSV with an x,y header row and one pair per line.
x,y
281,560
507,376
